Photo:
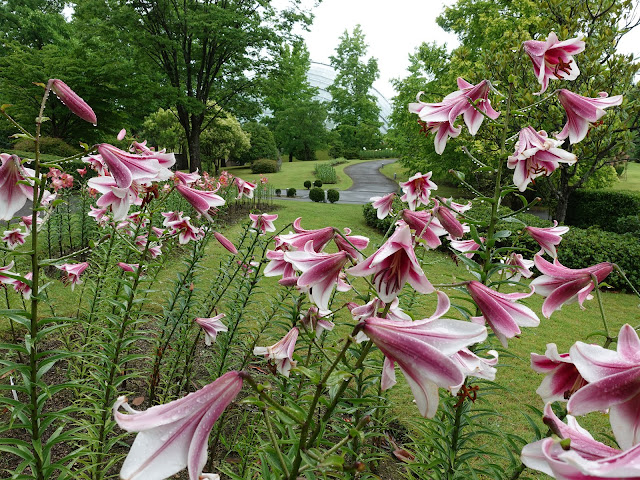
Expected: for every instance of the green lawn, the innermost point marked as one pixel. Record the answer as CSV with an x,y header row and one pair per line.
x,y
294,174
630,179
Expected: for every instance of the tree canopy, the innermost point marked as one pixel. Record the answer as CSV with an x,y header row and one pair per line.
x,y
353,109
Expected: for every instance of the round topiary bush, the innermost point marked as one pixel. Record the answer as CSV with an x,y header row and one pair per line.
x,y
307,184
49,145
264,166
333,195
278,191
291,192
316,194
317,183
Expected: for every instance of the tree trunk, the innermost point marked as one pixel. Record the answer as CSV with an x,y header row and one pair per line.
x,y
562,195
291,156
194,150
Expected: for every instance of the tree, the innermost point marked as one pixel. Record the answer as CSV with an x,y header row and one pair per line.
x,y
353,109
298,120
205,50
300,129
263,144
490,33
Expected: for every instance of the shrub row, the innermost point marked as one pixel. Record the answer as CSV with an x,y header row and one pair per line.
x,y
386,153
580,248
609,210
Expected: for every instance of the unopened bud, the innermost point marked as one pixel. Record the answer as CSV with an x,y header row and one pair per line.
x,y
73,101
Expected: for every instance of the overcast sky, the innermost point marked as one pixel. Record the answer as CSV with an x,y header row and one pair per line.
x,y
393,30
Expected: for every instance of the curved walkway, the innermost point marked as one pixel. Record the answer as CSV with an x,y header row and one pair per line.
x,y
367,182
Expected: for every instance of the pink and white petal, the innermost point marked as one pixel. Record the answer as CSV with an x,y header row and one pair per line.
x,y
629,343
625,422
602,394
595,363
388,378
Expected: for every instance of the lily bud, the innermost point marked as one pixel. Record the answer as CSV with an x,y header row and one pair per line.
x,y
73,101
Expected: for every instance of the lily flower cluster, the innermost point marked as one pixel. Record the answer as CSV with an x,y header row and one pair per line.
x,y
535,153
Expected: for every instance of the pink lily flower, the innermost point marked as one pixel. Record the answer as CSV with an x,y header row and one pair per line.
x,y
417,189
352,245
562,378
279,266
175,435
126,167
171,217
383,205
458,207
187,231
468,247
320,272
459,103
155,251
263,223
300,239
245,188
614,383
393,265
13,195
548,237
201,200
73,101
7,280
566,285
82,171
581,111
442,131
520,267
14,237
119,199
448,220
583,459
372,309
121,134
313,320
422,350
225,242
281,352
212,326
128,267
73,272
554,59
474,366
23,287
186,178
501,311
536,155
426,226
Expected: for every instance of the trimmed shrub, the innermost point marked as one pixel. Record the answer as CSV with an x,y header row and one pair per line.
x,y
316,194
307,184
325,173
317,183
264,166
385,153
48,145
338,161
278,192
602,208
291,192
333,195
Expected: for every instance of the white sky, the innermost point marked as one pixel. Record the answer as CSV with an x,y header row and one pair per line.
x,y
393,30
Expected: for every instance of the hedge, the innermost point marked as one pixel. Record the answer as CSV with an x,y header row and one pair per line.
x,y
264,165
602,208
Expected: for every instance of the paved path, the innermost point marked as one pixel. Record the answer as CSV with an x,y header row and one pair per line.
x,y
367,182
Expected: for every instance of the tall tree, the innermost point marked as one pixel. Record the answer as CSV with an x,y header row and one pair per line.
x,y
213,49
353,109
298,119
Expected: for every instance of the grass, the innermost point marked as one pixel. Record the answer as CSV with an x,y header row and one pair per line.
x,y
630,179
294,174
43,156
